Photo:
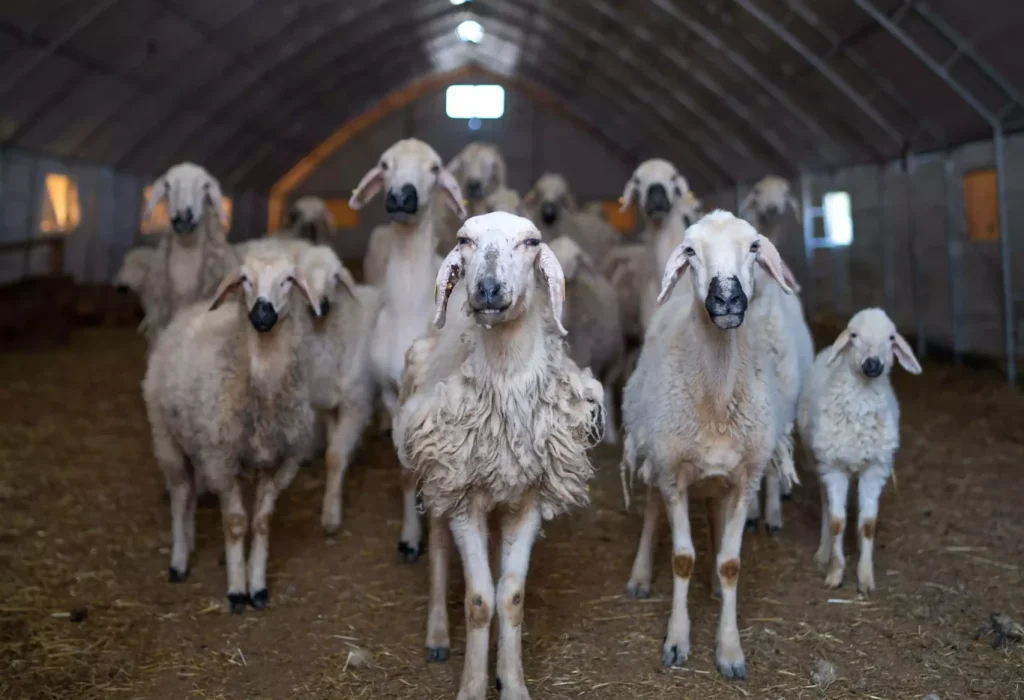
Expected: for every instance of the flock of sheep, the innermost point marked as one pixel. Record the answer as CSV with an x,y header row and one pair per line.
x,y
496,368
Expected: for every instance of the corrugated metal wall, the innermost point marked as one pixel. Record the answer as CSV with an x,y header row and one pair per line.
x,y
111,205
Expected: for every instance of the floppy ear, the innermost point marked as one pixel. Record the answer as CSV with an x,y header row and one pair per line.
x,y
568,201
227,285
330,226
303,286
747,202
345,279
554,279
450,187
837,347
795,206
676,266
368,187
500,169
628,196
790,278
904,355
212,188
454,166
447,277
156,192
769,258
531,197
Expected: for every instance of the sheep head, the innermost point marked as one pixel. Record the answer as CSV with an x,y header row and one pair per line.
x,y
310,219
480,169
870,341
769,198
188,189
409,172
657,189
549,199
721,251
502,258
266,280
502,199
326,277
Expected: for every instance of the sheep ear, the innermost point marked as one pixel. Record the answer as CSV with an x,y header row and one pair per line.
x,y
217,199
227,285
676,266
330,225
368,187
454,166
303,286
447,277
157,192
769,258
904,355
554,278
747,202
837,347
628,196
450,187
568,201
790,278
795,206
345,279
500,169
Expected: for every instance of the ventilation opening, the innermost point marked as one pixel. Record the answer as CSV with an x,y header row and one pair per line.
x,y
61,212
475,101
838,219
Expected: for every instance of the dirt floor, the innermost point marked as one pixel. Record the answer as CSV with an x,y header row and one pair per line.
x,y
86,610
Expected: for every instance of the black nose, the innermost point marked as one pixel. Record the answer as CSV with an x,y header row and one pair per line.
x,y
549,212
325,306
262,316
405,201
657,200
725,298
308,231
872,367
123,288
474,188
771,210
488,290
184,222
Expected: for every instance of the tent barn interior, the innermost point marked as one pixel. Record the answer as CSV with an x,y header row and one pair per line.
x,y
896,130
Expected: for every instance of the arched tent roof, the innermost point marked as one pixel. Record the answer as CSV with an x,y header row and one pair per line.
x,y
730,89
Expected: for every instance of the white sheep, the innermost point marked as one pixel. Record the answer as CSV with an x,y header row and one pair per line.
x,y
701,417
552,208
310,219
849,423
628,267
337,357
766,202
132,274
194,255
591,315
411,176
226,396
501,199
495,419
480,170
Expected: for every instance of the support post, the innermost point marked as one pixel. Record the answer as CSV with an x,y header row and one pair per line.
x,y
953,244
915,269
1004,253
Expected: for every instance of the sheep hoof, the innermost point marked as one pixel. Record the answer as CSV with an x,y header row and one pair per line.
x,y
674,656
437,655
238,602
733,671
751,524
774,530
410,553
636,590
497,683
175,576
260,599
787,497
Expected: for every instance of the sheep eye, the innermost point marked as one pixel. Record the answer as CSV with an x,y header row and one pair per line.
x,y
383,165
853,335
287,281
532,242
689,252
462,240
892,338
755,246
435,168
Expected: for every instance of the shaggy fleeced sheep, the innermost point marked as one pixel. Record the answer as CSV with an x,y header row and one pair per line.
x,y
194,256
701,417
552,208
591,315
411,176
226,394
495,417
337,356
849,422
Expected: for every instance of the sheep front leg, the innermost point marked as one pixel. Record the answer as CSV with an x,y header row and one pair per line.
x,y
869,489
639,586
267,491
470,534
342,438
676,649
773,504
729,653
754,509
438,640
837,485
824,553
518,532
236,524
410,544
611,431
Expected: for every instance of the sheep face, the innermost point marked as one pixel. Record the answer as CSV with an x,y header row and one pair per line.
x,y
550,196
769,199
870,342
721,251
310,218
502,199
266,282
479,169
656,187
409,172
326,277
501,257
188,189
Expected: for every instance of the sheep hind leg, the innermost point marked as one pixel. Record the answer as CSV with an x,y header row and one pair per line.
x,y
729,657
236,525
715,508
773,504
754,509
869,489
438,639
410,543
639,586
267,491
519,531
611,431
470,534
342,439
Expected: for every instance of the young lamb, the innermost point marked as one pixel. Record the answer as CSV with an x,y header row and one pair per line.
x,y
337,356
227,398
849,423
767,202
495,419
552,208
411,175
701,416
194,256
591,315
